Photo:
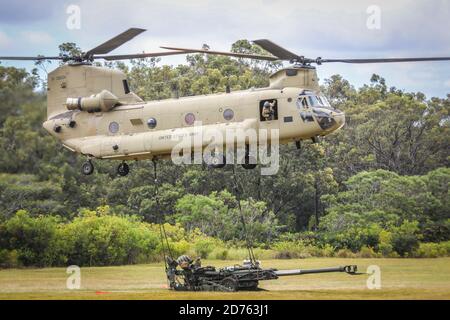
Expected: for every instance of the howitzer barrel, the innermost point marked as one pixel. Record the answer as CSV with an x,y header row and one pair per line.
x,y
351,269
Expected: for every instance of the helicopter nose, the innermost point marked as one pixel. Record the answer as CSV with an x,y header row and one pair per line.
x,y
340,119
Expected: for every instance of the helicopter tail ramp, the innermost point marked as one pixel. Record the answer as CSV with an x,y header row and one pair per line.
x,y
82,80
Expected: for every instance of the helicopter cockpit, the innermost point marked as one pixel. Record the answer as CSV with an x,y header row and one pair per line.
x,y
313,105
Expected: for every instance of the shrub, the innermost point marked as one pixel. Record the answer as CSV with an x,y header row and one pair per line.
x,y
367,252
219,253
9,259
327,251
345,253
95,239
404,244
264,254
290,250
237,253
204,246
35,239
354,237
181,247
433,250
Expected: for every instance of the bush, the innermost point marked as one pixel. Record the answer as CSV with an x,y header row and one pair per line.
x,y
219,254
204,246
327,251
9,259
264,254
367,252
405,244
35,239
291,250
345,253
354,238
179,248
95,239
433,250
404,239
237,253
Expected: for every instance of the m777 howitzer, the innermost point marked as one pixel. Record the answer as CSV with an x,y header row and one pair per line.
x,y
191,276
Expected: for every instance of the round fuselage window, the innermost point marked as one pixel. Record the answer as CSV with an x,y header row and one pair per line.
x,y
189,118
228,114
151,123
113,127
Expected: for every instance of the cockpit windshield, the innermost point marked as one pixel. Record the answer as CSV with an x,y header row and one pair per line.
x,y
310,99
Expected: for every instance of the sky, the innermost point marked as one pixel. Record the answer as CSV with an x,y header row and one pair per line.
x,y
325,28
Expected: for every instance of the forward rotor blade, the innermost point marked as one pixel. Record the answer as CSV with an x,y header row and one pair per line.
x,y
32,58
115,42
139,55
386,60
231,54
276,50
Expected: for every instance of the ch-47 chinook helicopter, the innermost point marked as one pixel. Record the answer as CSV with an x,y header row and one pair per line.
x,y
92,111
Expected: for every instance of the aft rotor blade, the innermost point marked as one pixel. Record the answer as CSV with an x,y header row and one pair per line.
x,y
139,55
223,53
115,42
386,60
276,50
32,58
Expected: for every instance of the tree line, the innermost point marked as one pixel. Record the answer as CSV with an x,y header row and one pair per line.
x,y
380,182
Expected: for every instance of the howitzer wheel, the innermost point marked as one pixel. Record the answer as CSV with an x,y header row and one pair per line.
x,y
230,283
351,269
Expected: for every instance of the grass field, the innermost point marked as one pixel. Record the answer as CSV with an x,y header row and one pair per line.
x,y
401,279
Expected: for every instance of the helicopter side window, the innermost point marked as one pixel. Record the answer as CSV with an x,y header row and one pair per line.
x,y
268,110
306,116
302,103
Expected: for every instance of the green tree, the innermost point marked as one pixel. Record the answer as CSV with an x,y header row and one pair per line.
x,y
37,240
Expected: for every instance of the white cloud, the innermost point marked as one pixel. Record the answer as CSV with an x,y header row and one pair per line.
x,y
447,83
37,37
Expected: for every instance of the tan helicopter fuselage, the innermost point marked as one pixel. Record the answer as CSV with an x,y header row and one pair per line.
x,y
128,128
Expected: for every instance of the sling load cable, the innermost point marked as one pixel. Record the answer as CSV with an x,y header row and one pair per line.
x,y
244,226
162,229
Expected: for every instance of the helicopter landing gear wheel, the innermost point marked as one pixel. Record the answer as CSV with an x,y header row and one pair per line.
x,y
230,284
123,169
216,161
87,168
249,163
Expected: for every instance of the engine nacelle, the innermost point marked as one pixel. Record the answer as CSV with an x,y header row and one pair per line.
x,y
103,101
